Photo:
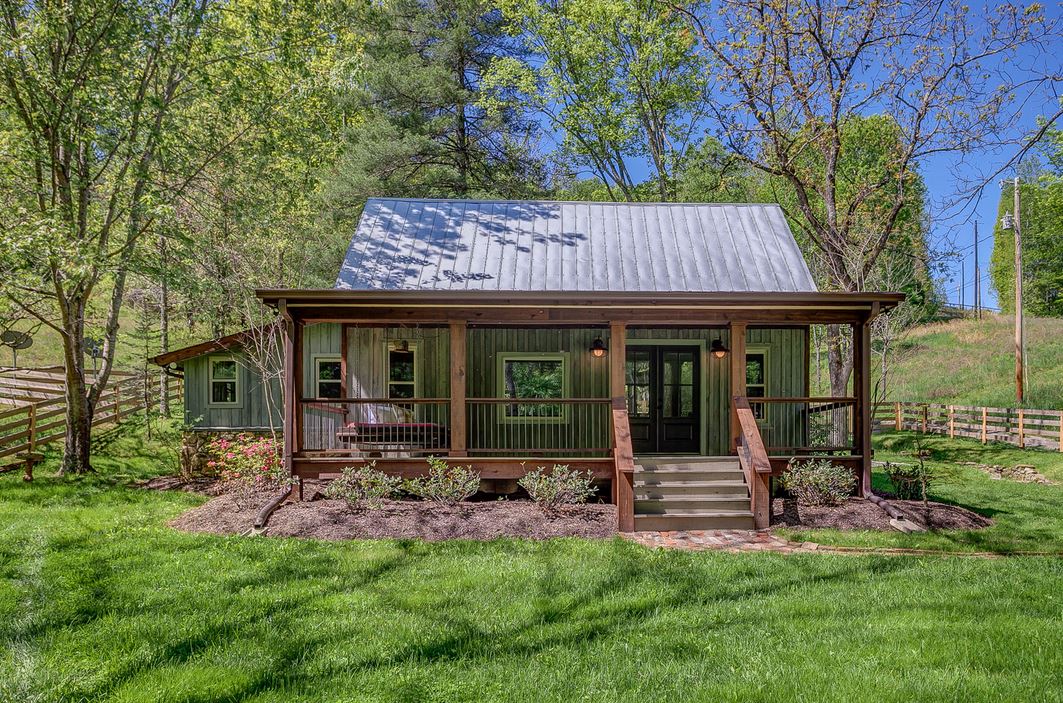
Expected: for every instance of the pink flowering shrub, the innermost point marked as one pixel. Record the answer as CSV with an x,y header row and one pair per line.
x,y
248,463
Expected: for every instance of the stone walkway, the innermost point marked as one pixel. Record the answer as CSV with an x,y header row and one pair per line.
x,y
723,540
764,541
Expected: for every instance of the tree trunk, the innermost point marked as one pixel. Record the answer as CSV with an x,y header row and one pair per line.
x,y
164,331
76,449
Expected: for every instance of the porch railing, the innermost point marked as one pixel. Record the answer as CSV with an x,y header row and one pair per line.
x,y
569,427
376,426
804,425
753,458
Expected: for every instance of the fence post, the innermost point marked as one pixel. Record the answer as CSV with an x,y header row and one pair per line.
x,y
1061,430
926,409
30,459
117,402
952,422
898,422
985,422
1022,437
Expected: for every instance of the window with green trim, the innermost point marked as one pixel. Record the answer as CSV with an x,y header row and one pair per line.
x,y
533,377
757,380
328,376
402,370
223,381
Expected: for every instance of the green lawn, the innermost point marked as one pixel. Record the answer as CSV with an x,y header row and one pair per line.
x,y
1027,517
99,600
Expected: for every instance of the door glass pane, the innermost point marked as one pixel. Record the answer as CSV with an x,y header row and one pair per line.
x,y
678,385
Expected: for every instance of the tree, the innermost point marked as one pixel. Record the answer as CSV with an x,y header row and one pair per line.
x,y
86,101
1041,227
792,79
420,129
616,78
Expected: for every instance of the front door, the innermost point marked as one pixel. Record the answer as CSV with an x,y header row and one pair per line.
x,y
664,399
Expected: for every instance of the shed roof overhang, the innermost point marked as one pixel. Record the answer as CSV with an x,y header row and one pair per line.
x,y
577,308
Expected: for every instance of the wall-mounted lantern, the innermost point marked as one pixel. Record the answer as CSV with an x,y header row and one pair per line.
x,y
598,348
718,349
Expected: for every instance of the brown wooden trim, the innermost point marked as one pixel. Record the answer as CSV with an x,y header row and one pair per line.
x,y
290,406
779,463
617,359
624,476
737,335
488,467
457,388
862,392
753,458
298,372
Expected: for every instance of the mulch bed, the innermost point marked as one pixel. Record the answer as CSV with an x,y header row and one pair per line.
x,y
402,519
860,514
207,485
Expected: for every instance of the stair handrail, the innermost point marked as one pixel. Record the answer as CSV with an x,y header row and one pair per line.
x,y
624,461
753,458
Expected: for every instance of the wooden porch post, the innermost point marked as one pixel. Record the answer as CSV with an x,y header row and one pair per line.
x,y
624,474
862,393
737,332
288,416
457,388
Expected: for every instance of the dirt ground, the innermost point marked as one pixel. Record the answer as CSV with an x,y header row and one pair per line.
x,y
402,519
860,514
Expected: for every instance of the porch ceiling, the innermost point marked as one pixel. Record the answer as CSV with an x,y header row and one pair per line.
x,y
589,307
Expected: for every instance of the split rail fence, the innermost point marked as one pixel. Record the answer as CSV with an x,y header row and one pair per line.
x,y
1023,427
33,411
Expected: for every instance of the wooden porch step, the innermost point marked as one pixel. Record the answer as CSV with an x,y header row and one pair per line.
x,y
692,475
702,520
704,488
690,504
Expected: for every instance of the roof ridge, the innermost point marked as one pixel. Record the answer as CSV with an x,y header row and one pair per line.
x,y
641,203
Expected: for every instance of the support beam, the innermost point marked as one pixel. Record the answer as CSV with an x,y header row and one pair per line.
x,y
288,416
298,389
457,389
617,359
862,409
737,334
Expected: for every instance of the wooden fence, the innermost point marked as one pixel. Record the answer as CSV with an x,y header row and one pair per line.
x,y
26,427
1019,426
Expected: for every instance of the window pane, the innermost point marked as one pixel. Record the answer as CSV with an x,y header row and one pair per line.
x,y
533,378
329,370
400,365
754,369
223,392
686,401
400,390
755,391
223,369
328,389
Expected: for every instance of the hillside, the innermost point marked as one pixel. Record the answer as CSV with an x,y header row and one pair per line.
x,y
971,362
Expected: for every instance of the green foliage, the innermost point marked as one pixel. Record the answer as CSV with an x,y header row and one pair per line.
x,y
364,486
444,484
1041,225
558,486
818,482
910,481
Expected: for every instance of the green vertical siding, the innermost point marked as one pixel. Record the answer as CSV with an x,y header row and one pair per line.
x,y
253,411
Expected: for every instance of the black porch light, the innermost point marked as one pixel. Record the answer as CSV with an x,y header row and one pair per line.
x,y
718,349
598,348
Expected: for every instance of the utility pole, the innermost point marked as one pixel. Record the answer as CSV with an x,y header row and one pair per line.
x,y
1019,346
977,277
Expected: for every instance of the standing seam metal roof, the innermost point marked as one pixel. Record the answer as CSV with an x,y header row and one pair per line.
x,y
531,245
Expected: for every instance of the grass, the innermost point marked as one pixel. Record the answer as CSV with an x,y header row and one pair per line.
x,y
1027,517
974,363
99,600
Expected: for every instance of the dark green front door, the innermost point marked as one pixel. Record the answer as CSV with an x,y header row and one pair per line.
x,y
664,399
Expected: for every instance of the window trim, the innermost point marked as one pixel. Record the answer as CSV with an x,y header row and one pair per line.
x,y
237,382
315,369
500,387
764,351
416,351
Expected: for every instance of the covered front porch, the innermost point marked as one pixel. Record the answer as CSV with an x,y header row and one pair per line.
x,y
509,382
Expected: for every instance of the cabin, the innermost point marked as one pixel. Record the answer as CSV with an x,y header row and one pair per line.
x,y
663,347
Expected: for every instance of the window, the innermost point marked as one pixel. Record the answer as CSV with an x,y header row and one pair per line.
x,y
402,370
329,377
638,382
533,377
224,381
757,380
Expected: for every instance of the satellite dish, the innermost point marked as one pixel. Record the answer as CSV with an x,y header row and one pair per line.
x,y
94,347
16,340
23,341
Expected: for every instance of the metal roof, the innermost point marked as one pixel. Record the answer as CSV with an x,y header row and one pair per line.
x,y
509,245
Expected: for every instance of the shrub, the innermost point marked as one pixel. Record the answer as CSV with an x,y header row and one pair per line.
x,y
818,482
364,486
910,481
560,486
247,464
444,483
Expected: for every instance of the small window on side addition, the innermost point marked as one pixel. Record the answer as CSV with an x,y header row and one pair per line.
x,y
224,382
329,377
757,381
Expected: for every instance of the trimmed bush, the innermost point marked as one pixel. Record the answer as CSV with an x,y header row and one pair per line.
x,y
364,487
560,486
909,480
818,482
248,464
444,484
